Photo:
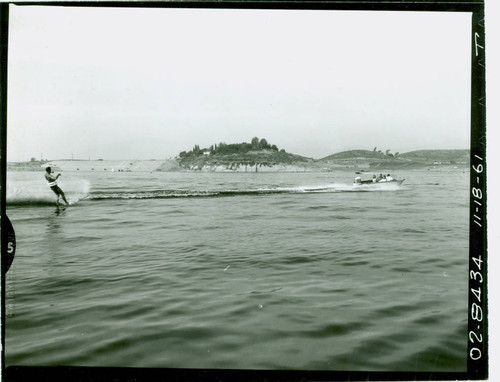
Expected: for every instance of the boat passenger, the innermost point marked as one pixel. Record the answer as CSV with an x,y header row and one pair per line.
x,y
374,179
389,177
379,178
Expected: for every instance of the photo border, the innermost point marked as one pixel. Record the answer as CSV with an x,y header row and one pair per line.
x,y
477,357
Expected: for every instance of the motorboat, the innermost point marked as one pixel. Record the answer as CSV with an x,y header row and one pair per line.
x,y
373,182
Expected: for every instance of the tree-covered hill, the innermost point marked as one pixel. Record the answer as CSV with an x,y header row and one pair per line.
x,y
227,149
235,156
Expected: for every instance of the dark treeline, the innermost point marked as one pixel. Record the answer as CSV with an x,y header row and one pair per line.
x,y
232,148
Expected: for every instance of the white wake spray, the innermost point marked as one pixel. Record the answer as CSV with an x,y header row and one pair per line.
x,y
39,193
77,191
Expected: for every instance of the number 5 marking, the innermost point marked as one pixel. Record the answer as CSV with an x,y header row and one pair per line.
x,y
476,35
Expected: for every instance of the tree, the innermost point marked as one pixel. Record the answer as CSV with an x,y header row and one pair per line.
x,y
221,148
387,152
255,143
246,147
263,144
274,147
375,149
196,150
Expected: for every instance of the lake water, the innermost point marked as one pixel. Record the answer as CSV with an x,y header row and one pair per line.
x,y
239,271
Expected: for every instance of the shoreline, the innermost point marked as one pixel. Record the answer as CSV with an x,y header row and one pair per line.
x,y
172,165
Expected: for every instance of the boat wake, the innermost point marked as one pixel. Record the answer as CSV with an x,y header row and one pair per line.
x,y
171,194
43,196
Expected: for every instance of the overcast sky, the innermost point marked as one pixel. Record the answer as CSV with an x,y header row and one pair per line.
x,y
117,83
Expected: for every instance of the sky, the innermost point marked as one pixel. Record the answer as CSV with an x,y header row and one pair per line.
x,y
123,83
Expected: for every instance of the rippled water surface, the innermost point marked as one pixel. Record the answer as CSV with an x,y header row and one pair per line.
x,y
247,271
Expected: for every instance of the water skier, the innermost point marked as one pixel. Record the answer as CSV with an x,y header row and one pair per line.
x,y
53,185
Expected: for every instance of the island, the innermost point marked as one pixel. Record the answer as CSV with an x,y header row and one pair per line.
x,y
255,156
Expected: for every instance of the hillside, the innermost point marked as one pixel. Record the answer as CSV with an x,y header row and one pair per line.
x,y
251,161
413,159
443,156
353,154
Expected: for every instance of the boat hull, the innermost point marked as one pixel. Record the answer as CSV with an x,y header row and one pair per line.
x,y
395,182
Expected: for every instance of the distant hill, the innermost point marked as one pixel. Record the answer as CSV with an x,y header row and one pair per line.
x,y
417,158
353,154
443,156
